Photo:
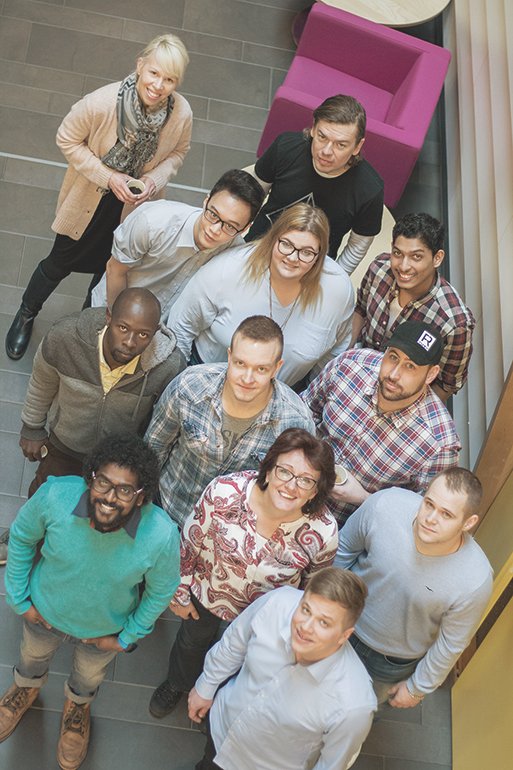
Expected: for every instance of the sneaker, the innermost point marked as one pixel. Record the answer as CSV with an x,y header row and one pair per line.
x,y
164,700
4,548
12,707
75,731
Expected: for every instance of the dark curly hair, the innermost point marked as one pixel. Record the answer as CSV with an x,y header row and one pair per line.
x,y
316,451
128,452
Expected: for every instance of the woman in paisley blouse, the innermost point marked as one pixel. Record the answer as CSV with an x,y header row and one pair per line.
x,y
250,532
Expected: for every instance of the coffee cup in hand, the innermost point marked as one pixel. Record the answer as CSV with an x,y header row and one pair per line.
x,y
340,475
136,187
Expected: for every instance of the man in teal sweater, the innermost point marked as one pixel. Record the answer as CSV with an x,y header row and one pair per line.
x,y
101,539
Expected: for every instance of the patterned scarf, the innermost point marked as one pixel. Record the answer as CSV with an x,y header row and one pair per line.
x,y
138,129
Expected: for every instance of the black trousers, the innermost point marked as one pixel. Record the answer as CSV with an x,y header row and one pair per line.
x,y
207,763
93,249
193,641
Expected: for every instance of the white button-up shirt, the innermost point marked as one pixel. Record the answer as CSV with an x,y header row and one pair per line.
x,y
277,713
157,242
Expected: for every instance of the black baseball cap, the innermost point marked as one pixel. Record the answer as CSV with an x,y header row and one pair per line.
x,y
420,341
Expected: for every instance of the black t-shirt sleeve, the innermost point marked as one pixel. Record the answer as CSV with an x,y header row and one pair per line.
x,y
266,165
368,219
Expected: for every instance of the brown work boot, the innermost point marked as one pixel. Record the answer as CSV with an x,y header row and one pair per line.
x,y
74,740
12,707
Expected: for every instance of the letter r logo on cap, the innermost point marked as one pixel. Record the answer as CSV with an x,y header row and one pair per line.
x,y
426,340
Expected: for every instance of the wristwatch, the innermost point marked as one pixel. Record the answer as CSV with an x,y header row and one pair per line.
x,y
127,647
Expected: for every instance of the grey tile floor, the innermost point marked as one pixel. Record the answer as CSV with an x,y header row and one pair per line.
x,y
51,54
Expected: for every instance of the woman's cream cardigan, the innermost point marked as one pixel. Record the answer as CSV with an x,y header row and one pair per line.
x,y
87,133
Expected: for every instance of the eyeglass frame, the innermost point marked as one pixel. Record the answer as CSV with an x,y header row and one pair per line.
x,y
221,221
115,488
305,261
293,476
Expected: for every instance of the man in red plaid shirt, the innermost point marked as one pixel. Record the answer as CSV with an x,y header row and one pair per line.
x,y
405,286
386,426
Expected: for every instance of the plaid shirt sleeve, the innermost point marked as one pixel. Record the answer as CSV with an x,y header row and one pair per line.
x,y
456,358
316,394
362,295
446,458
165,424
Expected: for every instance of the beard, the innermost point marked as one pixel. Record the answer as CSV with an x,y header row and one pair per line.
x,y
115,523
397,395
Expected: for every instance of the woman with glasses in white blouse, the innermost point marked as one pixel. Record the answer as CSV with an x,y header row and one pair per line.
x,y
249,533
286,276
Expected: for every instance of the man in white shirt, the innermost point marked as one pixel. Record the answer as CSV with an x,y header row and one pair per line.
x,y
162,244
301,696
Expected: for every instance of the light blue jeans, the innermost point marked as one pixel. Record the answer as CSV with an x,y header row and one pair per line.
x,y
38,647
384,671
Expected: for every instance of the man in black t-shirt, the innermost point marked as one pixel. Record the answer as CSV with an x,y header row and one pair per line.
x,y
323,166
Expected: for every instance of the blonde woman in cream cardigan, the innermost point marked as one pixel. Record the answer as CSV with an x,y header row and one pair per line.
x,y
137,129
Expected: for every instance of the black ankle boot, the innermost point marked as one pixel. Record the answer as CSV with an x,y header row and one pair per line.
x,y
38,290
18,336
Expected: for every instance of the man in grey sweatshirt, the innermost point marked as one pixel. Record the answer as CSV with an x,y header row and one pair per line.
x,y
429,583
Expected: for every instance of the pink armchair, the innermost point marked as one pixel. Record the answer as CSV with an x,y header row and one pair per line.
x,y
396,77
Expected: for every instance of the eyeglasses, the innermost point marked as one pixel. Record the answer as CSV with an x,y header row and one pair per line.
x,y
124,492
287,248
303,482
214,219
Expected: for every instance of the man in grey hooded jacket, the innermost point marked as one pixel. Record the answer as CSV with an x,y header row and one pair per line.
x,y
96,373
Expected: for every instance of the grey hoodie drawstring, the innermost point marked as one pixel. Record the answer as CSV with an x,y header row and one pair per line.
x,y
140,395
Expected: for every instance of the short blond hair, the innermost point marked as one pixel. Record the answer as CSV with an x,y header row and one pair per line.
x,y
463,481
171,55
340,586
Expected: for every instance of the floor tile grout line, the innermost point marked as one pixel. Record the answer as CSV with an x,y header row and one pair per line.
x,y
10,286
120,719
28,39
22,260
125,19
140,42
58,164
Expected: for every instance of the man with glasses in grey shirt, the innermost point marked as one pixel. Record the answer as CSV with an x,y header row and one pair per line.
x,y
162,244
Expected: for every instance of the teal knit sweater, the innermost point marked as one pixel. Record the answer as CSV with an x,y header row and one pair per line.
x,y
87,582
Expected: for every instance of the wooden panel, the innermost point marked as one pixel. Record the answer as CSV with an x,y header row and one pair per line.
x,y
482,710
495,536
495,462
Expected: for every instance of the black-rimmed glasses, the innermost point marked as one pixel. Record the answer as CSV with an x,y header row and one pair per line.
x,y
303,482
124,492
215,219
287,248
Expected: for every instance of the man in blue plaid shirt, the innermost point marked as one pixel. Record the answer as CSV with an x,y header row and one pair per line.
x,y
405,286
385,424
220,418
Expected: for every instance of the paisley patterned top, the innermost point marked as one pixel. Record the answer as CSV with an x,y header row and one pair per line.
x,y
223,561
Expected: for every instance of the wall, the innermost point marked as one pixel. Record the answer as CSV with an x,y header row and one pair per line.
x,y
479,104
